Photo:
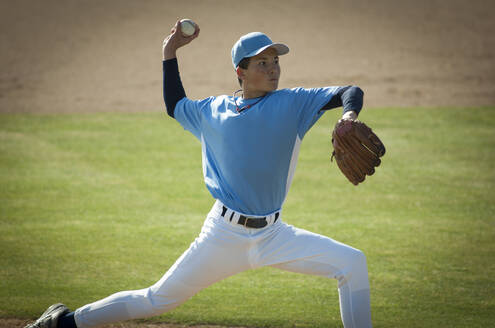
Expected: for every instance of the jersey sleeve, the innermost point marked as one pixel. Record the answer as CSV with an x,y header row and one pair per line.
x,y
189,114
309,103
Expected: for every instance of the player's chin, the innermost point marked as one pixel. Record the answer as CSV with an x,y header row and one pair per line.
x,y
273,85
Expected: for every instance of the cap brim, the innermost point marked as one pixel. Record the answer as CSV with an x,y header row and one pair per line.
x,y
281,48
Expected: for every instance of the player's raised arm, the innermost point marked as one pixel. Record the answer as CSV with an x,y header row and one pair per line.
x,y
173,91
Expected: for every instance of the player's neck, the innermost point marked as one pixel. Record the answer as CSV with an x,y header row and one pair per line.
x,y
247,94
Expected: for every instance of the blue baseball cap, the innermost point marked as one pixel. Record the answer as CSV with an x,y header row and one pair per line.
x,y
253,43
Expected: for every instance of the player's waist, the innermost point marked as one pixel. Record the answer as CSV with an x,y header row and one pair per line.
x,y
249,221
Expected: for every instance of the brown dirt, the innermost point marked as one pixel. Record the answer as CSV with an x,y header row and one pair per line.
x,y
73,56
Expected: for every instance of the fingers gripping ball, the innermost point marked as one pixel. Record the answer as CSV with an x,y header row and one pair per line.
x,y
187,27
357,149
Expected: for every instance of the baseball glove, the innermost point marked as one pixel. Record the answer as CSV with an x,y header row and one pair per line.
x,y
357,150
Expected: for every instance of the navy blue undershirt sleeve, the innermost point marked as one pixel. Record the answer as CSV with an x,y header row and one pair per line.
x,y
173,91
349,97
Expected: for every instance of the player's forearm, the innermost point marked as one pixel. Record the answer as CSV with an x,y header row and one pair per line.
x,y
349,97
170,47
352,99
173,91
169,53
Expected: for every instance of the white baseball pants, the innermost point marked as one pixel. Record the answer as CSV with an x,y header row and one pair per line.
x,y
225,248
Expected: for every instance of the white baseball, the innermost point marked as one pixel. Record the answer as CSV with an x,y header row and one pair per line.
x,y
187,27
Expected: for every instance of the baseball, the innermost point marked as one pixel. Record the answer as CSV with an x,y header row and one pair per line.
x,y
187,27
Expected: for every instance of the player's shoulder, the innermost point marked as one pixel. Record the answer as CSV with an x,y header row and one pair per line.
x,y
206,102
287,95
304,90
312,92
221,98
290,93
219,102
287,91
298,91
283,93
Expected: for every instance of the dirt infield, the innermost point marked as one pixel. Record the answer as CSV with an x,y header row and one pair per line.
x,y
88,56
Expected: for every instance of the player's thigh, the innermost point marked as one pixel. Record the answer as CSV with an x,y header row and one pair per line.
x,y
214,255
299,250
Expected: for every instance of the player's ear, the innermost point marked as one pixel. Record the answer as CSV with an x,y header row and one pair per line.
x,y
240,73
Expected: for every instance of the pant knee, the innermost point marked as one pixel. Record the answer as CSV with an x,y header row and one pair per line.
x,y
159,303
358,259
355,271
165,296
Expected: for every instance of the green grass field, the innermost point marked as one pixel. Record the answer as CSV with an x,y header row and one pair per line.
x,y
92,204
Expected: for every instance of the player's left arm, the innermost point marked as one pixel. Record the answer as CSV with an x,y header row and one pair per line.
x,y
348,97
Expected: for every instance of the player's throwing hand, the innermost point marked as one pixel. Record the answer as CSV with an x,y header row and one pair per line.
x,y
176,40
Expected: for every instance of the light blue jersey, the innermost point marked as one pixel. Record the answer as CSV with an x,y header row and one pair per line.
x,y
249,158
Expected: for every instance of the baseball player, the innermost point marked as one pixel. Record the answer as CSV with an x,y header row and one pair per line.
x,y
250,144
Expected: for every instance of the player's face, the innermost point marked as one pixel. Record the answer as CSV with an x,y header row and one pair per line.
x,y
262,74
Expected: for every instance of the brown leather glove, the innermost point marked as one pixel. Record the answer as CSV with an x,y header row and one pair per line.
x,y
357,149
